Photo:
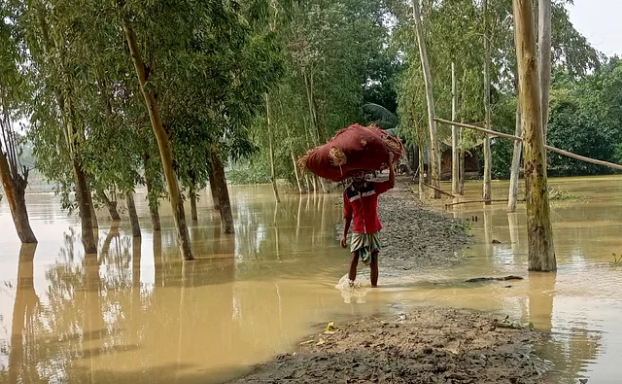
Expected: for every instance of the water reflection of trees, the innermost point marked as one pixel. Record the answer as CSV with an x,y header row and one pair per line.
x,y
97,311
99,323
269,234
571,351
23,353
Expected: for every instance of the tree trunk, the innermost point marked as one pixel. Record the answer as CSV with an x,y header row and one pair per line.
x,y
421,171
462,176
112,234
275,189
15,191
193,201
455,145
93,213
131,210
515,170
301,189
226,216
544,59
111,205
214,192
84,197
427,75
152,197
164,146
315,119
487,191
539,229
136,259
323,185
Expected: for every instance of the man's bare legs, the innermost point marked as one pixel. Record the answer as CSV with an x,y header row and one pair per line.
x,y
354,263
373,266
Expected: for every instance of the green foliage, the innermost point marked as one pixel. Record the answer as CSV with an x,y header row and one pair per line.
x,y
454,33
324,65
257,172
585,119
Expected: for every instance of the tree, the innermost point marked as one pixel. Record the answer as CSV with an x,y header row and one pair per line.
x,y
455,135
59,132
539,230
14,93
487,191
164,145
427,75
544,59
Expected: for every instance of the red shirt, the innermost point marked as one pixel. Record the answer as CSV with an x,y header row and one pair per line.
x,y
362,206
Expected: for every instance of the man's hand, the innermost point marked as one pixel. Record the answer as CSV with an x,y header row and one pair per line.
x,y
344,242
391,158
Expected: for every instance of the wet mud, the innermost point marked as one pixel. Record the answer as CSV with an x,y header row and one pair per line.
x,y
423,345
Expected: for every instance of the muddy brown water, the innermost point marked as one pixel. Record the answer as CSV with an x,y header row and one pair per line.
x,y
136,313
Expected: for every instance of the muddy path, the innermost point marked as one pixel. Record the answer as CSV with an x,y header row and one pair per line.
x,y
414,235
423,345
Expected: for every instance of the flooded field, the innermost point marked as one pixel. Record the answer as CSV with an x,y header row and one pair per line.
x,y
136,313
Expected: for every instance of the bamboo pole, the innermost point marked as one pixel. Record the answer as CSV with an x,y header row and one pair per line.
x,y
548,147
439,190
479,201
455,150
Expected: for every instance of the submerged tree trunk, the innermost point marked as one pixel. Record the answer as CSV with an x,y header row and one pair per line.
x,y
220,181
275,189
487,191
131,210
301,189
515,170
427,75
323,185
214,191
311,183
455,144
164,146
15,191
84,197
544,60
152,197
111,205
539,230
193,200
462,173
93,213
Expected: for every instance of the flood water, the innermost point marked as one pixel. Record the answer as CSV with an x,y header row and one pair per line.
x,y
136,313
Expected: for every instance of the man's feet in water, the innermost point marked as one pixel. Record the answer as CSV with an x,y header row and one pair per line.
x,y
351,283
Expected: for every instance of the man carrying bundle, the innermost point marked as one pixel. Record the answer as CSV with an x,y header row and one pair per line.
x,y
360,205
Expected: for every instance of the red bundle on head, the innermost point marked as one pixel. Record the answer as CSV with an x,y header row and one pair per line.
x,y
353,148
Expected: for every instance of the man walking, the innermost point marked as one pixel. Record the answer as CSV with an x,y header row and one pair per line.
x,y
360,207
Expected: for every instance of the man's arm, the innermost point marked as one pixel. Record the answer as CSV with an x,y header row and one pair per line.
x,y
390,184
